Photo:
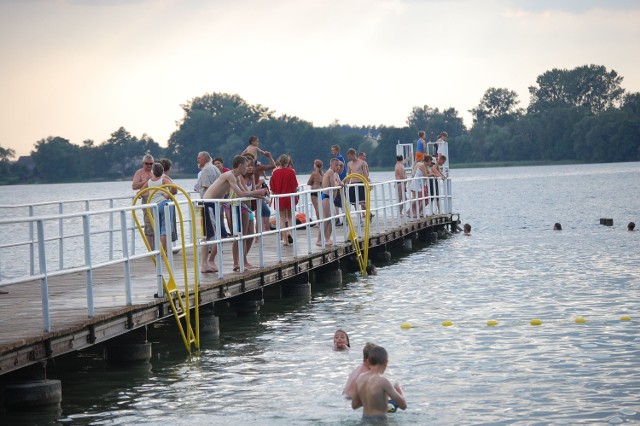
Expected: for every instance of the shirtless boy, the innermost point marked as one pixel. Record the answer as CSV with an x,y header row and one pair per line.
x,y
361,167
330,179
401,187
226,182
253,149
374,390
350,387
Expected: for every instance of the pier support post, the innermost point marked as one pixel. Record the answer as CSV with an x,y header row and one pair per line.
x,y
382,256
247,303
329,275
209,322
131,347
407,244
272,292
298,287
29,388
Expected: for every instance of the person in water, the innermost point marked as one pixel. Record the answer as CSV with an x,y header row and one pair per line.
x,y
373,390
350,387
557,227
467,229
631,226
341,341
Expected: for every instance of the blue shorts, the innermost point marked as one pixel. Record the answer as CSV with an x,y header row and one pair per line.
x,y
324,196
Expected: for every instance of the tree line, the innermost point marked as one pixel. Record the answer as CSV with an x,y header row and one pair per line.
x,y
579,115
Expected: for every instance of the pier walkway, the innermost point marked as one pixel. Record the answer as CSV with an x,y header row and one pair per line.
x,y
55,309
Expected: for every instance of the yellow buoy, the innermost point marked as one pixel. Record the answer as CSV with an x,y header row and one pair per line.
x,y
447,323
491,323
405,326
536,321
625,318
581,320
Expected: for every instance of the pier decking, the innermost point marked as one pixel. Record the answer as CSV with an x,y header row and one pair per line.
x,y
23,341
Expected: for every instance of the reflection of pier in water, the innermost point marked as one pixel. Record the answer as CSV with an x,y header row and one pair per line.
x,y
99,304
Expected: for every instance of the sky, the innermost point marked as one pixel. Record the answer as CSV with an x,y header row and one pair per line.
x,y
81,69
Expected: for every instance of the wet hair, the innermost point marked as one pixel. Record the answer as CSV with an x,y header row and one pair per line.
x,y
378,356
166,164
345,333
367,349
157,169
371,270
631,226
399,158
467,228
557,226
238,160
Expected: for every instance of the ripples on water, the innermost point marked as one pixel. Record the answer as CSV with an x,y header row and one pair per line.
x,y
278,367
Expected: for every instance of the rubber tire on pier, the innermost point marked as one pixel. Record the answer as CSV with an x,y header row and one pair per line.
x,y
124,353
28,395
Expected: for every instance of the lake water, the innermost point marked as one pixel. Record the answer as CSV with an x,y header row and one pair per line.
x,y
278,367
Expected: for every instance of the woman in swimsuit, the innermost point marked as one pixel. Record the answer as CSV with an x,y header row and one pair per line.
x,y
315,181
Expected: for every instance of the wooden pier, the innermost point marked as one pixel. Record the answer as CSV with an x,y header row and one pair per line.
x,y
23,342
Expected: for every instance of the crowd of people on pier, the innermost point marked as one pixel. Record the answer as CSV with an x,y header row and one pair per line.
x,y
247,178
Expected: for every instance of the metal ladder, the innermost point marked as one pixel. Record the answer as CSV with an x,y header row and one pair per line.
x,y
180,303
361,254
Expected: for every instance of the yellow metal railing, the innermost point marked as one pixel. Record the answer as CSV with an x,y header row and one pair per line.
x,y
181,310
361,254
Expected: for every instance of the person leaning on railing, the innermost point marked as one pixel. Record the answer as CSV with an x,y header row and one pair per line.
x,y
140,178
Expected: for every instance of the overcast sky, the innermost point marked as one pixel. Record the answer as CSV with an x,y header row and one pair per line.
x,y
80,69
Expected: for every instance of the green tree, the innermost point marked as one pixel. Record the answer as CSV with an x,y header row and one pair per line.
x,y
590,86
433,122
56,159
213,121
498,106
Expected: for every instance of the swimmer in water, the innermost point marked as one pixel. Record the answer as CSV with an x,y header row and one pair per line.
x,y
467,229
373,390
350,387
341,341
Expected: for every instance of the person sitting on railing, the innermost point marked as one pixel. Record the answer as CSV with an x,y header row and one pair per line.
x,y
330,179
160,198
225,183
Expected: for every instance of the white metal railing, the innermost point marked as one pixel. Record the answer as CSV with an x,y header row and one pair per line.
x,y
83,241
